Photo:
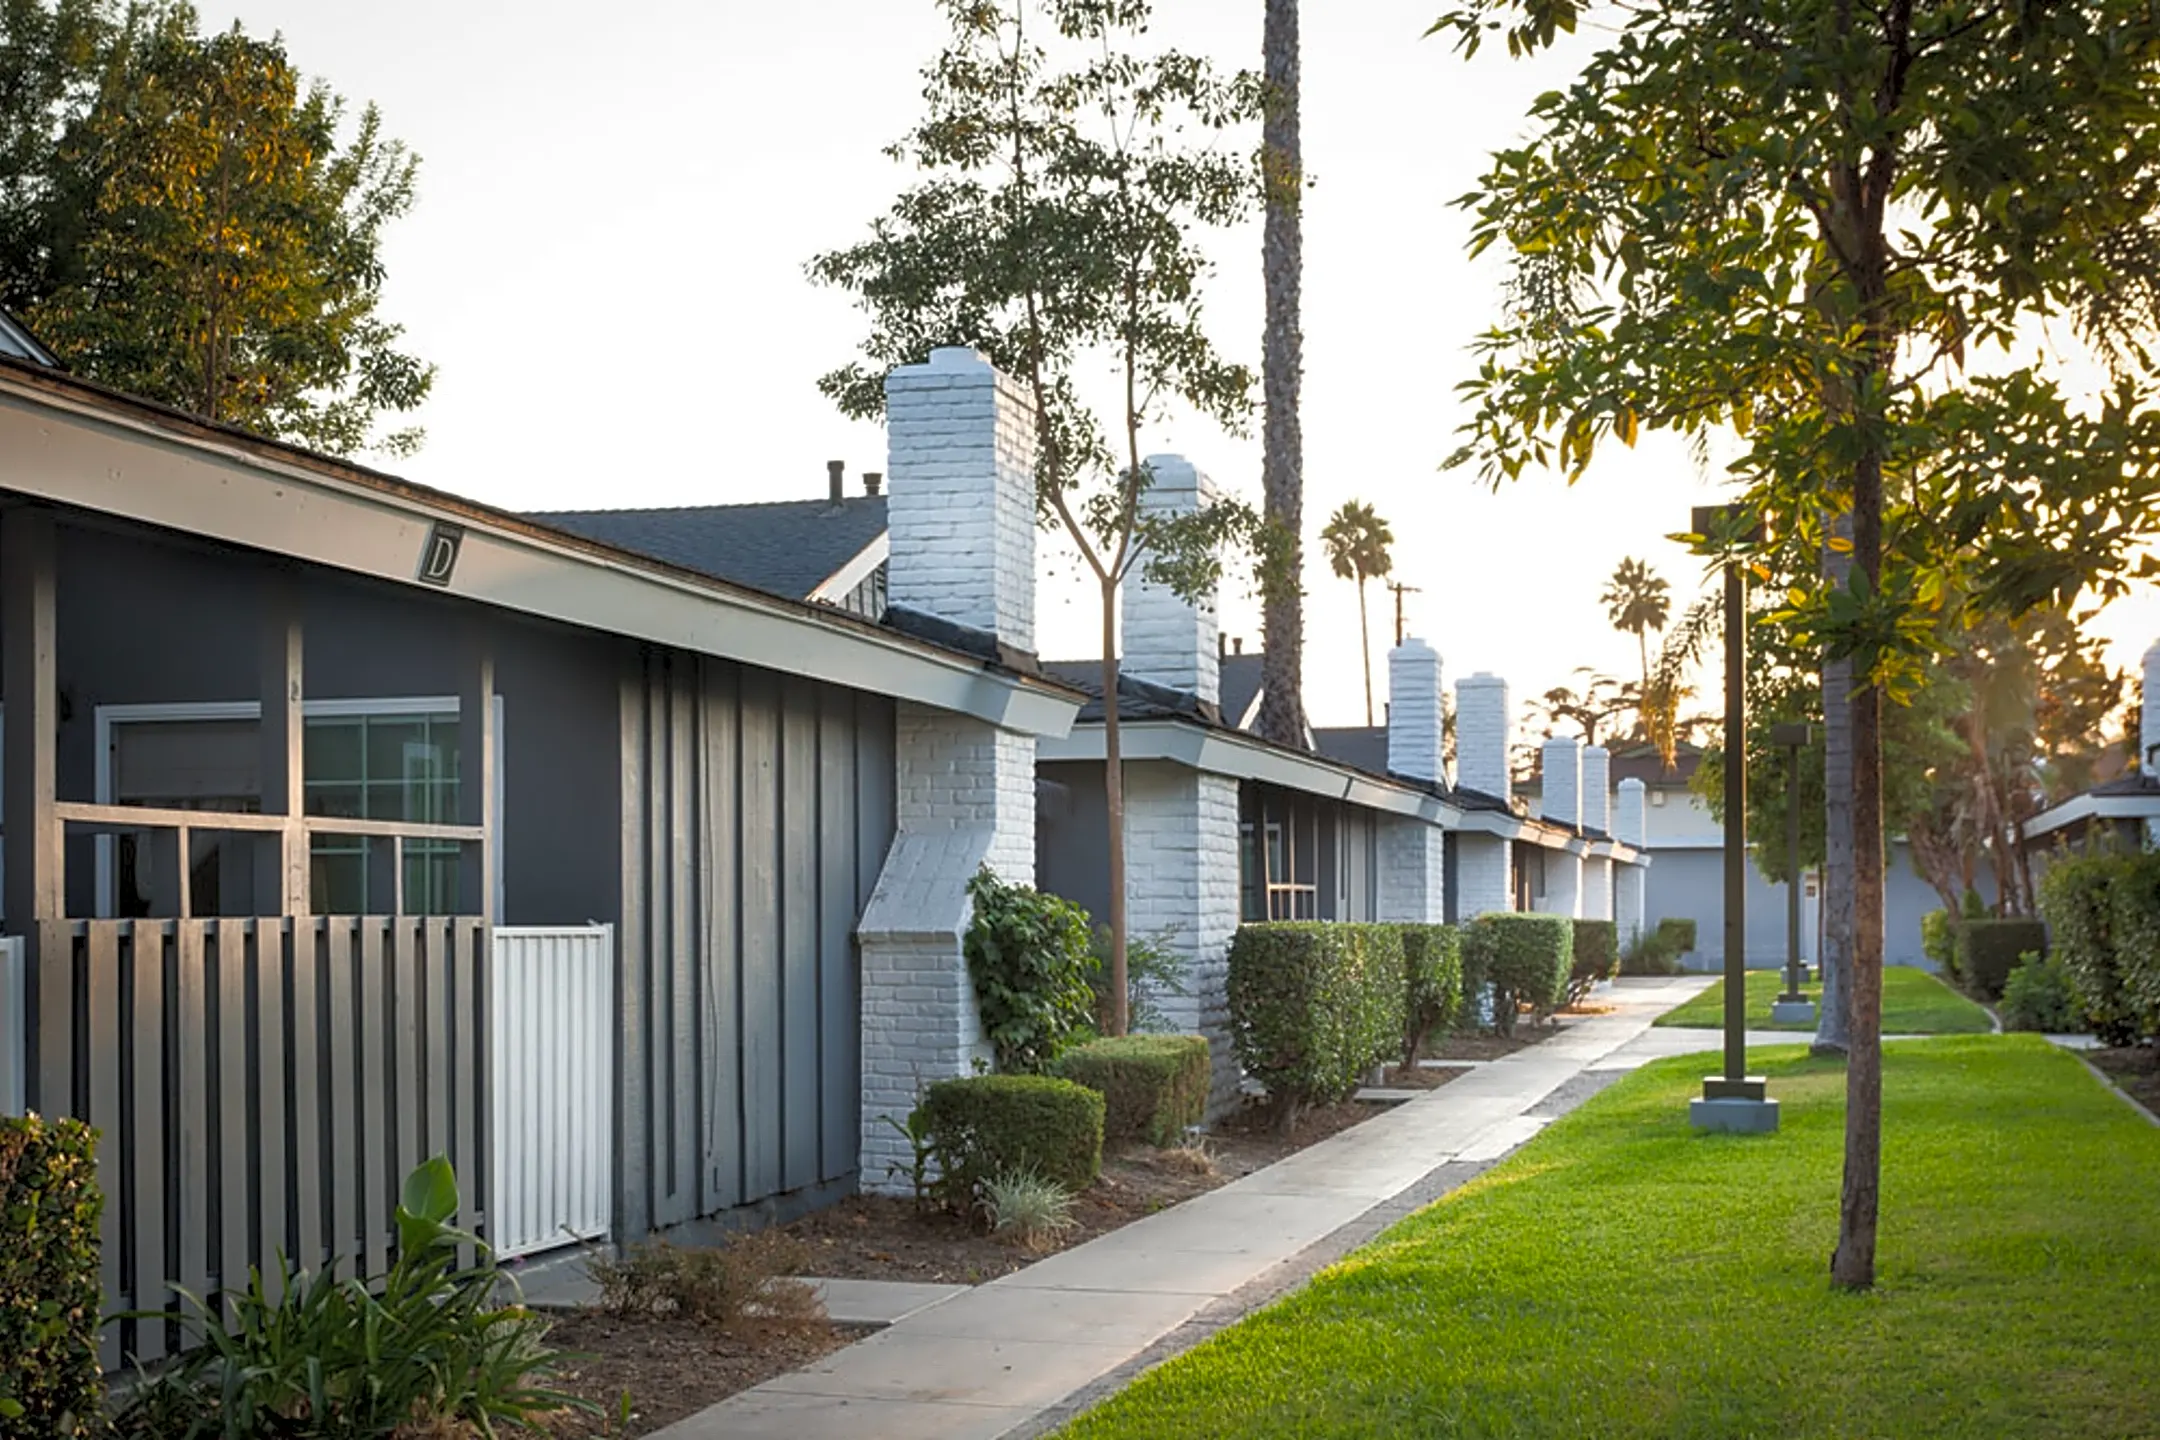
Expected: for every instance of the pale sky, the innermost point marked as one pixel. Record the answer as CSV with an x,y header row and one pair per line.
x,y
615,205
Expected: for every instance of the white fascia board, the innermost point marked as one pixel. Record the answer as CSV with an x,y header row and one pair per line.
x,y
1493,822
842,582
1240,757
71,451
2093,807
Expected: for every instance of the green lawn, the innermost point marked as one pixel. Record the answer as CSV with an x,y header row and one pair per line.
x,y
1914,1003
1623,1276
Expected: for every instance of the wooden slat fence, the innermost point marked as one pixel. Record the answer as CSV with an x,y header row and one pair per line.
x,y
261,1087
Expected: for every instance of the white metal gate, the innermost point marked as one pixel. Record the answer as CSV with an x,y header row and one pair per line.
x,y
553,1086
14,1027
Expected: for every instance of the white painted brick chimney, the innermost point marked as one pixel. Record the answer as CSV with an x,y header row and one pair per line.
x,y
2149,723
961,474
1563,789
962,516
1484,733
1169,640
1631,881
1597,881
1416,739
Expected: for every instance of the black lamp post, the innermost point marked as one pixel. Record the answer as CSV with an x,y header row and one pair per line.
x,y
1793,1007
1735,1100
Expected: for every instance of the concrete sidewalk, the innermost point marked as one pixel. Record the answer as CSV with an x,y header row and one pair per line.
x,y
996,1358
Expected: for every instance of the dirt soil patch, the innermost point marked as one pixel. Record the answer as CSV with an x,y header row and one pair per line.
x,y
1490,1047
875,1237
670,1369
2136,1068
1422,1077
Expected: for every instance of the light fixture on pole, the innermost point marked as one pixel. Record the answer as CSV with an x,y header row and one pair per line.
x,y
1734,1100
1793,1007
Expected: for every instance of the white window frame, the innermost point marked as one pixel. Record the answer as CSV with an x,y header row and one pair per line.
x,y
387,707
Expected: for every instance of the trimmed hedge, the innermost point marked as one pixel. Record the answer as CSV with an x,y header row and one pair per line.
x,y
981,1125
1597,957
49,1208
1313,1005
1154,1087
1938,941
1678,933
1432,983
1527,958
2078,900
2136,896
1988,950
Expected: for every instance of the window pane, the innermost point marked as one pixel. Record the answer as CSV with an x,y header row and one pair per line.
x,y
337,882
342,801
387,737
330,749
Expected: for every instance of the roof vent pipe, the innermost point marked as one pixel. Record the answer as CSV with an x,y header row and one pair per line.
x,y
872,481
836,473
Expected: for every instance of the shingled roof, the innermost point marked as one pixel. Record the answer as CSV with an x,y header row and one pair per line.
x,y
783,547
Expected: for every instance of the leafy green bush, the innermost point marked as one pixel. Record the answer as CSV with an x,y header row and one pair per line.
x,y
1028,954
2039,996
1528,958
1153,971
1314,1005
1938,941
1476,976
1651,954
1677,933
1432,983
1154,1087
2079,903
747,1282
1988,950
49,1207
328,1359
1597,957
985,1125
2137,943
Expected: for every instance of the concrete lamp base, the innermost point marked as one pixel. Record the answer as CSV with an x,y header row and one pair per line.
x,y
1734,1107
1792,1012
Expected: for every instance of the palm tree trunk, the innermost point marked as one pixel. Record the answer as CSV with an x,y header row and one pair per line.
x,y
1282,465
1365,647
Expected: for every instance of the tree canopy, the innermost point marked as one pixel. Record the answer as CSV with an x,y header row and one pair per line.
x,y
184,218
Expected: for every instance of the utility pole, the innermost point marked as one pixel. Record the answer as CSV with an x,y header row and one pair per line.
x,y
1401,590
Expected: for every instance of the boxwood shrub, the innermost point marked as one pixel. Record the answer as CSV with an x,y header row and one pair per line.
x,y
1597,956
1527,958
1154,1087
2079,903
1988,950
50,1384
981,1125
1432,983
1313,1005
2136,896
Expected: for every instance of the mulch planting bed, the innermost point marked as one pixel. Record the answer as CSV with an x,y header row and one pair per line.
x,y
1489,1047
874,1237
669,1368
2136,1068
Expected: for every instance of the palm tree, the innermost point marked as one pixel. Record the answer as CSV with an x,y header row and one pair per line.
x,y
1357,541
1282,462
1637,602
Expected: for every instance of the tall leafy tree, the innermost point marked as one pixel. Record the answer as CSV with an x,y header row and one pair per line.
x,y
205,229
1359,545
1065,181
1637,601
1802,221
1282,463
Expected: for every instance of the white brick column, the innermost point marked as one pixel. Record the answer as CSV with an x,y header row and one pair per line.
x,y
1562,804
1597,881
1413,858
1169,640
1630,881
1182,825
962,523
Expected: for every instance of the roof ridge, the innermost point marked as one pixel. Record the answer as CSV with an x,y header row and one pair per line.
x,y
820,502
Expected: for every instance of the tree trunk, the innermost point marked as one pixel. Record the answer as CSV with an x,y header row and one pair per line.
x,y
1364,632
1282,465
1114,805
1831,1029
1853,1264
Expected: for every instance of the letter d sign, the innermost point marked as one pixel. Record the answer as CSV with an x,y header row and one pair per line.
x,y
438,557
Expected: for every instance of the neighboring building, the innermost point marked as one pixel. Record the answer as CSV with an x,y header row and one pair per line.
x,y
293,750
17,343
2122,812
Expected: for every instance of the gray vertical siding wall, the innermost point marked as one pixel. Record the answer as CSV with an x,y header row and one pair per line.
x,y
757,810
